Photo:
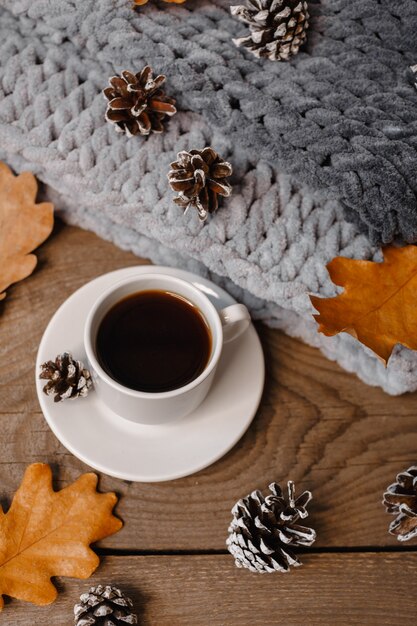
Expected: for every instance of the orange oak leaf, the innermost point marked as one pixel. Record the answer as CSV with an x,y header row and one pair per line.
x,y
24,225
47,533
378,304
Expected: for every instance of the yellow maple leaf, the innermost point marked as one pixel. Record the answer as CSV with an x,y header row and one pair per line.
x,y
378,304
47,533
24,225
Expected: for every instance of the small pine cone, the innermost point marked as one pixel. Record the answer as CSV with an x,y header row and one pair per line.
x,y
412,75
137,105
200,176
264,529
67,378
104,606
277,27
401,500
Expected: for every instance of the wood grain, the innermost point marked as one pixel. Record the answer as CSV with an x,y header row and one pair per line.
x,y
329,589
317,425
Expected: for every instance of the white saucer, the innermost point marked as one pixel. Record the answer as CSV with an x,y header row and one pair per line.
x,y
120,448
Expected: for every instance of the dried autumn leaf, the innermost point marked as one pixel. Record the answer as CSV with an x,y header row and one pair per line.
x,y
24,225
47,533
377,305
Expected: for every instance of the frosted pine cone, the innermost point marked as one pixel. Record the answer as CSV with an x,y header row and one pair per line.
x,y
277,27
412,75
67,378
104,606
264,530
200,176
400,499
137,105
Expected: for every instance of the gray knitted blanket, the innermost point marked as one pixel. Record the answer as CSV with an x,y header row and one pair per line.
x,y
331,133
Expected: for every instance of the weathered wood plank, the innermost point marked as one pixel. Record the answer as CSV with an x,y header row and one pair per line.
x,y
194,512
328,590
317,425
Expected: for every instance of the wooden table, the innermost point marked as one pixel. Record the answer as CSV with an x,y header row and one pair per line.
x,y
316,425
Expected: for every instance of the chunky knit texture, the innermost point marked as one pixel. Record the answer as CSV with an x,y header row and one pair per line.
x,y
336,120
341,116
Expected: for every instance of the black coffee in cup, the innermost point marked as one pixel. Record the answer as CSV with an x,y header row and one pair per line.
x,y
153,341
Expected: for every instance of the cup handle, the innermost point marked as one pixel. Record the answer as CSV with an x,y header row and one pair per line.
x,y
235,320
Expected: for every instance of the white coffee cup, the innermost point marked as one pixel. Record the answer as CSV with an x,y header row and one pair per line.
x,y
156,408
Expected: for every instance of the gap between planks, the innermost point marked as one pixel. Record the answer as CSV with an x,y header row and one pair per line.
x,y
400,549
